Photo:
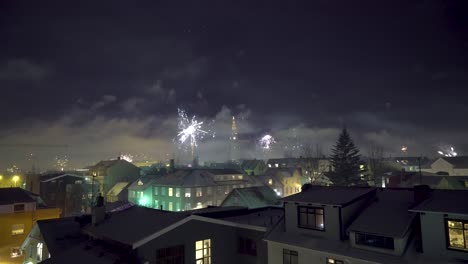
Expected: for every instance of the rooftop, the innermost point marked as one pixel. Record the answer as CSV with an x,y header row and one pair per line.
x,y
138,223
444,201
251,164
387,215
14,195
195,177
255,197
460,162
332,195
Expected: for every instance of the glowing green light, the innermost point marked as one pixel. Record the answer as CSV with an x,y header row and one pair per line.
x,y
143,201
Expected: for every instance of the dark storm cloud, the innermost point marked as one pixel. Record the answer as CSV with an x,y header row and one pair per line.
x,y
108,77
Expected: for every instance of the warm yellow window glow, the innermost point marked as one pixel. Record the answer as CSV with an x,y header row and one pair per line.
x,y
458,234
170,206
17,229
270,181
334,261
170,191
203,251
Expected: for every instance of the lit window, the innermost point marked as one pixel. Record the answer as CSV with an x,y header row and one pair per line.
x,y
361,167
374,241
270,181
15,252
276,165
156,204
311,218
203,251
334,261
177,192
199,205
290,257
163,191
240,177
458,234
173,255
39,251
208,190
156,190
18,208
170,192
199,192
170,206
269,165
17,229
187,192
177,206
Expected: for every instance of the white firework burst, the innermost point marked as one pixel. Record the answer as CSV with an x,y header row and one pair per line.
x,y
127,157
266,142
447,151
190,131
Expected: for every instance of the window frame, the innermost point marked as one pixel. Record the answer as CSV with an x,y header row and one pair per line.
x,y
334,261
447,234
163,258
374,246
19,204
203,248
315,214
290,253
246,246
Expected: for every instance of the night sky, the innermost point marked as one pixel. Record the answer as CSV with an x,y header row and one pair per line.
x,y
107,77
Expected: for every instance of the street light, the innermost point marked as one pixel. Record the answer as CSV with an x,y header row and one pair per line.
x,y
15,179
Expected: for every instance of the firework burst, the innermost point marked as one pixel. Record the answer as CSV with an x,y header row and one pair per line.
x,y
447,151
190,131
266,142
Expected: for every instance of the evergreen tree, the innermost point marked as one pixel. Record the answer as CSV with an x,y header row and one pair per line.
x,y
345,161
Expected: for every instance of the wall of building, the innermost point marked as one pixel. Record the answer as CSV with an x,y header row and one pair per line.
x,y
30,253
8,208
434,236
306,256
224,243
399,244
331,220
442,165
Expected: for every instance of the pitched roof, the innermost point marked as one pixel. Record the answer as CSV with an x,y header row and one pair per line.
x,y
251,164
444,201
139,222
52,177
60,234
376,218
460,162
330,195
117,188
255,197
14,195
288,162
280,172
195,177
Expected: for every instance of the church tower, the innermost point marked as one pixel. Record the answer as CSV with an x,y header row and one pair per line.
x,y
234,142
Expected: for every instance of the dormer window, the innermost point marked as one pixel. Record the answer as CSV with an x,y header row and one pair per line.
x,y
457,234
375,241
311,218
18,208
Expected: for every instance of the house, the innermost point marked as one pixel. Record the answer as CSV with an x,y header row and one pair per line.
x,y
19,210
444,225
254,167
407,164
452,166
108,173
187,189
209,235
252,197
70,192
284,181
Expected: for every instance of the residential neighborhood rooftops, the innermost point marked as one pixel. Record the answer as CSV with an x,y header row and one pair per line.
x,y
195,177
138,222
376,218
444,201
339,196
251,164
14,195
56,176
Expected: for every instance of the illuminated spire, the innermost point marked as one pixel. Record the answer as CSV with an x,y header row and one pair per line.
x,y
234,142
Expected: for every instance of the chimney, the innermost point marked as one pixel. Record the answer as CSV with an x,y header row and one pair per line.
x,y
421,193
171,165
99,210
